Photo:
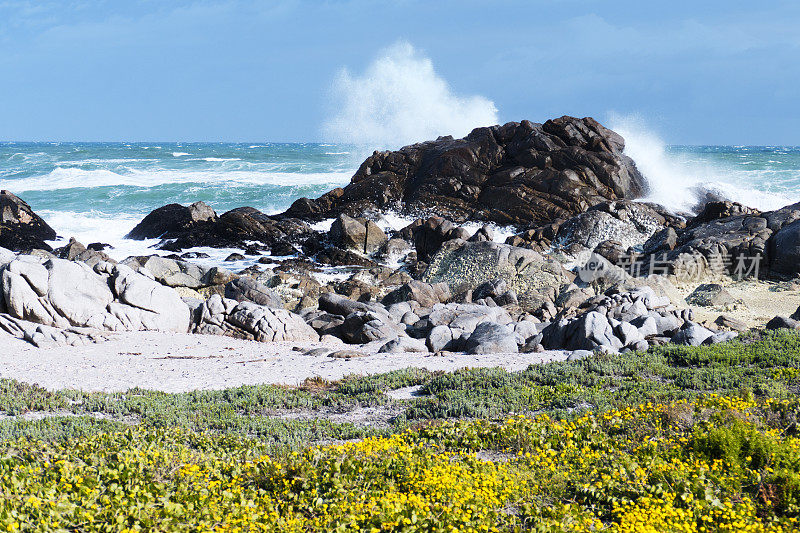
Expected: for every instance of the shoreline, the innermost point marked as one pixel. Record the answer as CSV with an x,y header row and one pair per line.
x,y
172,362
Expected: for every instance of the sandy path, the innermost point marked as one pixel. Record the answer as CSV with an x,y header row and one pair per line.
x,y
181,362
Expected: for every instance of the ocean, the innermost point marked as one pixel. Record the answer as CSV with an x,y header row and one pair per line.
x,y
97,192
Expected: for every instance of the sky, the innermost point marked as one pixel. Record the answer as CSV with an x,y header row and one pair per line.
x,y
710,72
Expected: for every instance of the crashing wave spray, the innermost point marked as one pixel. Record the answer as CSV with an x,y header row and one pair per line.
x,y
677,182
399,100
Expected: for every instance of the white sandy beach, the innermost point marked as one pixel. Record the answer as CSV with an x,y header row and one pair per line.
x,y
173,362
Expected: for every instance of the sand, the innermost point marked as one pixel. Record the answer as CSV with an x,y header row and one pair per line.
x,y
173,362
759,302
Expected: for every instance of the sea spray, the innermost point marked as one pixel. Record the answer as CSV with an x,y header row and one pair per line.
x,y
398,100
678,176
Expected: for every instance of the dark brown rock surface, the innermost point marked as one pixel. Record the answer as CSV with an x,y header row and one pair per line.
x,y
520,173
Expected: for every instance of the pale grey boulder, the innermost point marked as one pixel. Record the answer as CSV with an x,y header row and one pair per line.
x,y
365,326
43,336
722,336
646,325
174,273
628,334
6,256
404,344
692,335
489,337
590,331
246,289
465,317
135,290
266,324
21,301
80,295
439,338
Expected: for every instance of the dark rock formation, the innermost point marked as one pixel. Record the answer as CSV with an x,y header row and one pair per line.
x,y
20,228
197,225
171,219
518,173
742,244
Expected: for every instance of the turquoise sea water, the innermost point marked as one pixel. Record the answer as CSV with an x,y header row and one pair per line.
x,y
99,191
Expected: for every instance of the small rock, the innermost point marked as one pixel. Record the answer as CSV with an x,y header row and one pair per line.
x,y
347,354
727,321
782,322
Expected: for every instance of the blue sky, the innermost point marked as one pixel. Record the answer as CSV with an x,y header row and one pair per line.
x,y
713,72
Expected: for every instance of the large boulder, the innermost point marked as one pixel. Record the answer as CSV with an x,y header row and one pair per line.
x,y
357,234
182,227
465,266
172,272
246,289
20,228
518,173
628,223
171,219
62,294
491,338
425,294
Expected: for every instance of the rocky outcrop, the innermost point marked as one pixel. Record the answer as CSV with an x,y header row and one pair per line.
x,y
357,234
466,265
625,223
182,227
46,336
63,294
20,228
247,320
518,173
744,244
172,219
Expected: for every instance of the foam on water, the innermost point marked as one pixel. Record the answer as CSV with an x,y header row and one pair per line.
x,y
78,178
97,192
674,174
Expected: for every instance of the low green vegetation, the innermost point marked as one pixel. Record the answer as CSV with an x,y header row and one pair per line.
x,y
675,439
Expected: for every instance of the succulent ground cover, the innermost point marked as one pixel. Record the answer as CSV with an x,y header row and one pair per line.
x,y
675,439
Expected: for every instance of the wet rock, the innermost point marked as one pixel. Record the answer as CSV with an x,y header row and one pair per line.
x,y
484,233
361,235
171,219
20,228
663,240
518,173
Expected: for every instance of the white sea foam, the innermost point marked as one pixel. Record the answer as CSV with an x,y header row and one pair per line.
x,y
97,226
401,99
75,178
180,154
673,178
